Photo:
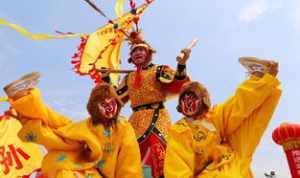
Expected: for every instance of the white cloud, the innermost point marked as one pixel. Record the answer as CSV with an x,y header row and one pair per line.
x,y
253,10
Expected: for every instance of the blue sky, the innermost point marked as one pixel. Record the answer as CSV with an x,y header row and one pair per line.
x,y
226,30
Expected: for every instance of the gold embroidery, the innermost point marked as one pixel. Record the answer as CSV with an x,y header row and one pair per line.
x,y
199,135
140,121
150,90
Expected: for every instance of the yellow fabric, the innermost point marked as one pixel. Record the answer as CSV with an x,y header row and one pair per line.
x,y
43,112
36,36
3,99
99,49
71,174
116,155
232,170
119,7
251,94
9,128
223,143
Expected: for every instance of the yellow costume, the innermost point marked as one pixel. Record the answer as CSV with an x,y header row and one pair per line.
x,y
221,143
114,151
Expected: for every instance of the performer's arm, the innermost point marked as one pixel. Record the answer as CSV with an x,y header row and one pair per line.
x,y
129,160
171,80
181,64
179,160
32,107
249,96
122,90
40,122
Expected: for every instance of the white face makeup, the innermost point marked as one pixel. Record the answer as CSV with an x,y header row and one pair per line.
x,y
189,105
139,56
108,108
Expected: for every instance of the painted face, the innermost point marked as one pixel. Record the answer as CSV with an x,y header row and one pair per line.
x,y
139,56
189,104
108,108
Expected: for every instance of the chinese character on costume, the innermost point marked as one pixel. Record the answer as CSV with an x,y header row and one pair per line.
x,y
220,141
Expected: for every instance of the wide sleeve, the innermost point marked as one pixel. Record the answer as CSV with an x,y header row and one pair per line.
x,y
40,123
129,160
32,107
81,132
179,160
249,96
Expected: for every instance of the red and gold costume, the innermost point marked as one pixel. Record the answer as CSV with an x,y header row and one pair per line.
x,y
150,120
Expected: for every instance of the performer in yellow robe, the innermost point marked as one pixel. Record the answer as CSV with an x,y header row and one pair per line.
x,y
102,146
219,142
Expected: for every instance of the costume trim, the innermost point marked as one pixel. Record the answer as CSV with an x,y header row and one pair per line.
x,y
152,128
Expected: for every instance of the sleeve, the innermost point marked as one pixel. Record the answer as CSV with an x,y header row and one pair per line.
x,y
129,160
81,132
171,80
249,96
122,90
40,122
32,107
35,131
179,160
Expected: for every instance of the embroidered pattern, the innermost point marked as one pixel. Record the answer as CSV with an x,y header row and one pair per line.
x,y
31,137
199,135
107,133
61,157
100,164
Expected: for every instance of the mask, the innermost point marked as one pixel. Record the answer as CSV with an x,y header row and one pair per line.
x,y
108,108
190,104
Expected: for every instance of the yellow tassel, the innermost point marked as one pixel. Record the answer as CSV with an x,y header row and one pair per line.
x,y
36,36
119,8
3,99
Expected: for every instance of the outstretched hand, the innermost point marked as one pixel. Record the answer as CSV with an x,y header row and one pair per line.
x,y
22,86
183,56
274,68
185,53
20,94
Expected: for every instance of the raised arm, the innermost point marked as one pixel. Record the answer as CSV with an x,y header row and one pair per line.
x,y
32,107
249,96
122,90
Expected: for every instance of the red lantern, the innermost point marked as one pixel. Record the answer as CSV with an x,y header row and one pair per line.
x,y
288,135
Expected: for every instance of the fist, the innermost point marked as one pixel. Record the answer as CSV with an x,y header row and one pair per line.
x,y
183,56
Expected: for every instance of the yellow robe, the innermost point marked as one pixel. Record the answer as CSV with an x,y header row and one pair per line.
x,y
115,150
222,144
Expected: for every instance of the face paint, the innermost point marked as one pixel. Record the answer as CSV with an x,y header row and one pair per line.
x,y
139,56
108,108
189,104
